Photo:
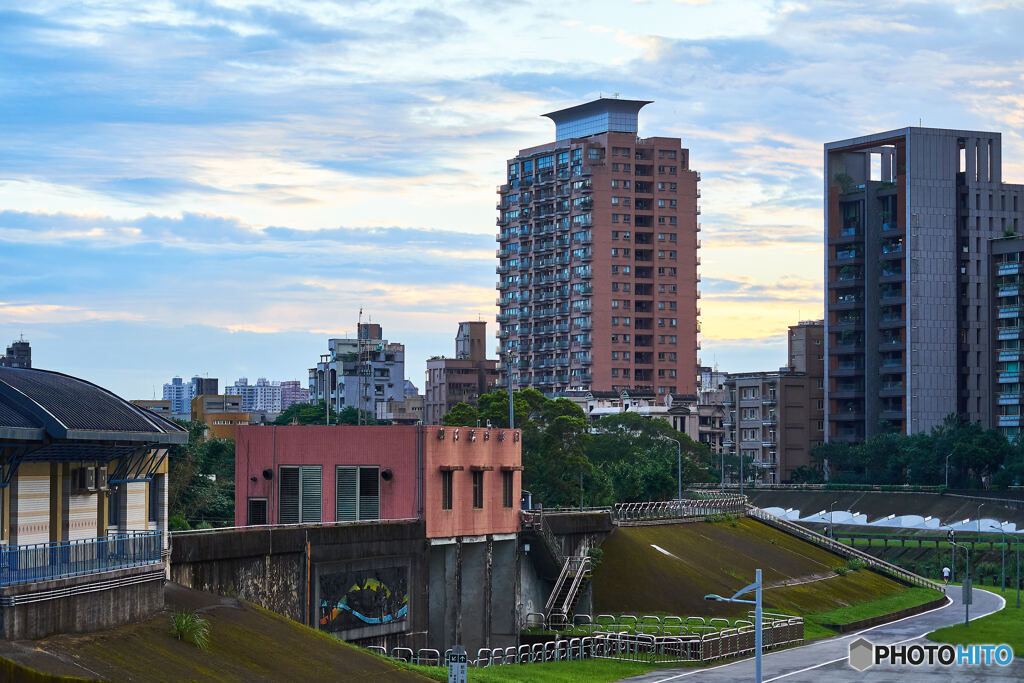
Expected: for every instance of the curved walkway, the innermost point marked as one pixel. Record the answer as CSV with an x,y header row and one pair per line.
x,y
827,659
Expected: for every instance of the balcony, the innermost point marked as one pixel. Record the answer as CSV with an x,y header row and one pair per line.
x,y
768,400
1004,333
44,561
1009,399
892,389
1010,421
1008,269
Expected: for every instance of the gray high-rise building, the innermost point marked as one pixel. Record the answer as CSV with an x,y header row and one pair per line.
x,y
19,355
909,217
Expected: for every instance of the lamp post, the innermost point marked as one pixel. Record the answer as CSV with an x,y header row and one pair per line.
x,y
1002,572
1018,570
679,461
831,521
967,607
980,505
756,602
947,469
952,554
723,470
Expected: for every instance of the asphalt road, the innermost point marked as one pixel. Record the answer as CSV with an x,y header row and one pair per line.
x,y
826,660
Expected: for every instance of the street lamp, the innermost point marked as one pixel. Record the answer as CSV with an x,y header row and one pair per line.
x,y
967,606
679,459
756,602
980,505
1002,572
947,469
831,522
952,553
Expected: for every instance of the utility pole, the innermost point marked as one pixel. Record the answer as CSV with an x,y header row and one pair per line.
x,y
359,369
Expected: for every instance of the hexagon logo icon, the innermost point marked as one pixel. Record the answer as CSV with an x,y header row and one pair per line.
x,y
862,654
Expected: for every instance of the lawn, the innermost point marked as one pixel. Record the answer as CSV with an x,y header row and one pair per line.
x,y
815,622
1005,626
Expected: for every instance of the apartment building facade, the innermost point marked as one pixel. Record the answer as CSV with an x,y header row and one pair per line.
x,y
264,396
19,355
460,379
597,250
774,419
910,214
359,371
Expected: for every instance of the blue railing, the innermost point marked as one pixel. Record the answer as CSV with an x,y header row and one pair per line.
x,y
42,561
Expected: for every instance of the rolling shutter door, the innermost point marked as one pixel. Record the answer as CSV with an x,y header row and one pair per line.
x,y
311,495
288,507
346,501
369,493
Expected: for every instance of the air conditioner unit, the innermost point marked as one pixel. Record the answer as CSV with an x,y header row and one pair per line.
x,y
101,479
85,479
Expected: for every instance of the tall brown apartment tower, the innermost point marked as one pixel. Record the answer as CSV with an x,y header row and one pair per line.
x,y
598,258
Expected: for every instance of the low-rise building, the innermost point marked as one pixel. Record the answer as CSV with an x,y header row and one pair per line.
x,y
461,379
221,414
83,492
408,411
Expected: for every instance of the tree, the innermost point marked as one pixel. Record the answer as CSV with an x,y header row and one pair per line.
x,y
316,414
201,476
640,463
461,415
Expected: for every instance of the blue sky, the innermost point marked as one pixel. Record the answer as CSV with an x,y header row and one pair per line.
x,y
216,187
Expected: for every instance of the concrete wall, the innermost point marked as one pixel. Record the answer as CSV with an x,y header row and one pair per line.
x,y
37,609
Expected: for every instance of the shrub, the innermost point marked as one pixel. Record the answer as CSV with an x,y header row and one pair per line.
x,y
596,557
191,628
178,523
840,570
854,563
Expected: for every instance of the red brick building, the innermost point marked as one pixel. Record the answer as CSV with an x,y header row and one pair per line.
x,y
598,257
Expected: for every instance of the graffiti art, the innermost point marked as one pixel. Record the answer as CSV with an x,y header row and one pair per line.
x,y
359,598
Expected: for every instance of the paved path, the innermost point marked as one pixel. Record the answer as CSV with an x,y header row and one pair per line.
x,y
826,660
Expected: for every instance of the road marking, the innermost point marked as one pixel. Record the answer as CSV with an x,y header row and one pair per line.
x,y
836,639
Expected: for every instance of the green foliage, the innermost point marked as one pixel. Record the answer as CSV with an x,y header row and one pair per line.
x,y
191,628
317,414
202,479
461,415
841,571
596,558
806,475
897,460
855,564
178,523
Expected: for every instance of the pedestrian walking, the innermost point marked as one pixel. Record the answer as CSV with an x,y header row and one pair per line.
x,y
945,575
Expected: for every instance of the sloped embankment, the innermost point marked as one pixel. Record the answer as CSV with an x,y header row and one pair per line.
x,y
667,569
247,643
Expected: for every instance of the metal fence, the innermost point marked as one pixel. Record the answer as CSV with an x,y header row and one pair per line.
x,y
41,561
843,550
647,639
677,509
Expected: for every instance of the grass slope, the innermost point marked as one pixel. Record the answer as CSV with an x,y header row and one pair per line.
x,y
589,671
721,558
247,643
1005,626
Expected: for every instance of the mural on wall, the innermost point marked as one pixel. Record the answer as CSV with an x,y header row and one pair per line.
x,y
364,597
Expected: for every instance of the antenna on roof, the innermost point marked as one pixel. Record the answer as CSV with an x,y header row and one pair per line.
x,y
615,95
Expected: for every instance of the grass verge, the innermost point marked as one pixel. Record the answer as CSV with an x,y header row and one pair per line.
x,y
815,622
1004,626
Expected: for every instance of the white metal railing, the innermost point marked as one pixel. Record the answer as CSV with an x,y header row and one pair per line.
x,y
698,508
843,549
693,639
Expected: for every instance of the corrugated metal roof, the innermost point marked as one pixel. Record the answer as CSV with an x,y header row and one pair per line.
x,y
61,403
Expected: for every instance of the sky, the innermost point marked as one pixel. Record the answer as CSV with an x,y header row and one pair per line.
x,y
215,188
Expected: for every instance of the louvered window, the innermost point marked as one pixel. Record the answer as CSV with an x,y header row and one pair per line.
x,y
300,494
358,493
257,511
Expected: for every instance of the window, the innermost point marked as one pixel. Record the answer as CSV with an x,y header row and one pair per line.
x,y
506,489
821,404
357,493
478,490
300,492
446,490
156,497
257,513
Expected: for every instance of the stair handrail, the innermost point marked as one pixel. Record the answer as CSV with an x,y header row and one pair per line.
x,y
843,549
550,604
581,572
